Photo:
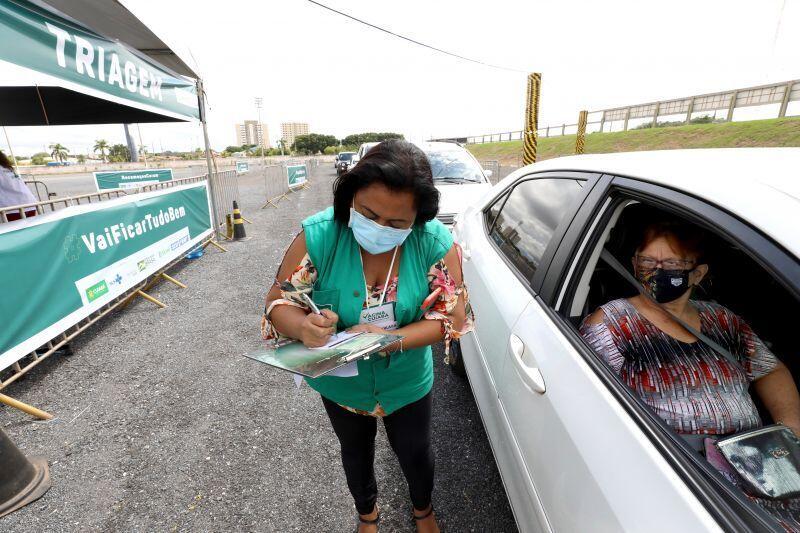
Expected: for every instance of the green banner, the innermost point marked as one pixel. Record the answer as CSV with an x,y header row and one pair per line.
x,y
39,40
242,167
60,267
296,175
131,179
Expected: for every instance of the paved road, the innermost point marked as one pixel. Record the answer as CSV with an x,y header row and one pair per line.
x,y
83,183
162,425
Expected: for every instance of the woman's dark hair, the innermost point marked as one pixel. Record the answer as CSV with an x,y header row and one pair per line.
x,y
683,237
4,161
397,164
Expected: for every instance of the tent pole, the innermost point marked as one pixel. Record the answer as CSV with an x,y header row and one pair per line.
x,y
201,95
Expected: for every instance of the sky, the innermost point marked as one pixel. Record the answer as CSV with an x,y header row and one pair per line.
x,y
312,65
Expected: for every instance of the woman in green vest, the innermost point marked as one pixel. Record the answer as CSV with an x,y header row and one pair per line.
x,y
377,261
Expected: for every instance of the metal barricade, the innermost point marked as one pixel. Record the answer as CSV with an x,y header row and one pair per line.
x,y
23,211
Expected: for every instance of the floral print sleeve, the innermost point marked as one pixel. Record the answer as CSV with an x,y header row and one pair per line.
x,y
302,280
439,278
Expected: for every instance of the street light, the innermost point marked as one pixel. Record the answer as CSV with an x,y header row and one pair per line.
x,y
260,134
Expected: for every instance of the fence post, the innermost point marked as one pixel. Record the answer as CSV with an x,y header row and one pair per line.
x,y
580,139
785,102
531,118
563,129
690,110
627,117
732,105
602,121
655,114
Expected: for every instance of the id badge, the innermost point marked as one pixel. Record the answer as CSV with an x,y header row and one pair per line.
x,y
381,316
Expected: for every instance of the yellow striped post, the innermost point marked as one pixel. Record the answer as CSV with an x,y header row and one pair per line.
x,y
580,140
531,119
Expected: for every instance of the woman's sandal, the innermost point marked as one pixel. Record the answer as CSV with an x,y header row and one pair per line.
x,y
423,517
372,522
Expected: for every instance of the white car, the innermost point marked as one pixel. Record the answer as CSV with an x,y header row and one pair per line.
x,y
362,151
578,450
458,176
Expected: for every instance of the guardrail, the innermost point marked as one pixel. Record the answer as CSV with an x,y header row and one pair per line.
x,y
684,108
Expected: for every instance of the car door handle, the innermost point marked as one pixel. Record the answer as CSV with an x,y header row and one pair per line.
x,y
524,364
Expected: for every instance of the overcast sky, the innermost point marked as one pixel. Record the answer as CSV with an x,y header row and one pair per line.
x,y
311,65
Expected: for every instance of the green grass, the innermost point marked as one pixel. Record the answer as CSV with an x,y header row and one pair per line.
x,y
772,132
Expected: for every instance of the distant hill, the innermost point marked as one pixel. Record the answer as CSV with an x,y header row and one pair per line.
x,y
772,132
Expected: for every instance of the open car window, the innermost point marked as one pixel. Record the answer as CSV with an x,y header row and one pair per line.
x,y
743,305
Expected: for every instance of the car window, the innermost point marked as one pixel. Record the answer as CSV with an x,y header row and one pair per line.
x,y
346,156
454,165
702,393
527,219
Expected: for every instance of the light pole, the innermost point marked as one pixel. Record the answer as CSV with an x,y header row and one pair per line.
x,y
260,134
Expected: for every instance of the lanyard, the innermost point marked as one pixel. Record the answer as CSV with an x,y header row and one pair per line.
x,y
385,285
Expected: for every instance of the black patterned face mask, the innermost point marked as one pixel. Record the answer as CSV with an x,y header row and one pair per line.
x,y
664,285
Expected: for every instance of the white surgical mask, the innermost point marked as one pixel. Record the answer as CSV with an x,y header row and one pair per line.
x,y
373,237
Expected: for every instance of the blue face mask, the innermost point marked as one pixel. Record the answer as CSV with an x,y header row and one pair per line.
x,y
373,237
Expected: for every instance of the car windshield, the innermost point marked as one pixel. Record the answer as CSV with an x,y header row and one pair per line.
x,y
346,156
454,166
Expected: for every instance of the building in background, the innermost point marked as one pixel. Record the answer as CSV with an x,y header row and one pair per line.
x,y
290,131
251,132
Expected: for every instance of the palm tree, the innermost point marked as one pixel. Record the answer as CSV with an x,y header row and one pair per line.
x,y
59,152
101,146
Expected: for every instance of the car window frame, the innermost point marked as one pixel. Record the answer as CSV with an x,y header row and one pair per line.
x,y
727,504
533,284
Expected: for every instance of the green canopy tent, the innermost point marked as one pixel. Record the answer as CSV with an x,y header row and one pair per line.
x,y
93,62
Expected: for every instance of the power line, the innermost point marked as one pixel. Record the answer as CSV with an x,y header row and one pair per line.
x,y
414,41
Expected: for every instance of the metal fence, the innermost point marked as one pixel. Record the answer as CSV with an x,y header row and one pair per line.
x,y
276,180
684,109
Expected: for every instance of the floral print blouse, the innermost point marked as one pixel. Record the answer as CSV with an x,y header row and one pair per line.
x,y
304,276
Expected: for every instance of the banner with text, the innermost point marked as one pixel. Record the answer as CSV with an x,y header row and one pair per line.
x,y
130,179
60,267
35,38
297,175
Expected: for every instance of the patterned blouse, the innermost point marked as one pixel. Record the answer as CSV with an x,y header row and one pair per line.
x,y
305,274
691,387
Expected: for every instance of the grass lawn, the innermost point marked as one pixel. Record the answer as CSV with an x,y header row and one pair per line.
x,y
772,132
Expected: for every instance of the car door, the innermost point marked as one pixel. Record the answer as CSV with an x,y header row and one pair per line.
x,y
503,247
600,470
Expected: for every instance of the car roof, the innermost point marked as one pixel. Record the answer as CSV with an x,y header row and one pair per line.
x,y
759,185
430,146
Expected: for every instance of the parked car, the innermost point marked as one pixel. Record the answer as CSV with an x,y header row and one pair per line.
x,y
362,150
344,162
576,448
457,175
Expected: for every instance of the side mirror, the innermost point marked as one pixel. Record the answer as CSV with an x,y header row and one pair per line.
x,y
487,173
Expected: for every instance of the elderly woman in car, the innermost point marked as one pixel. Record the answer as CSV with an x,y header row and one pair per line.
x,y
690,386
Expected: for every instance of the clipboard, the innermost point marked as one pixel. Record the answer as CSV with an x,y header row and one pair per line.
x,y
296,358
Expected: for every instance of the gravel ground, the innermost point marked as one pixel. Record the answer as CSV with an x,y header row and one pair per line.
x,y
162,425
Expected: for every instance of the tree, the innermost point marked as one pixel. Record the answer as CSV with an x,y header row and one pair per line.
x,y
313,143
59,152
101,146
119,153
38,158
81,159
370,137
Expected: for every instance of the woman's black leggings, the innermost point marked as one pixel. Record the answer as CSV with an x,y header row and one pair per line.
x,y
409,432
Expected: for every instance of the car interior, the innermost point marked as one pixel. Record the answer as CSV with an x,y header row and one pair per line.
x,y
735,280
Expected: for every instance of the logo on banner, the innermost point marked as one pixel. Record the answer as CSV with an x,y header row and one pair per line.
x,y
72,248
97,290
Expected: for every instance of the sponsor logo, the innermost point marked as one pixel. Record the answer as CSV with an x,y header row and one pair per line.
x,y
146,262
97,290
116,280
177,244
72,248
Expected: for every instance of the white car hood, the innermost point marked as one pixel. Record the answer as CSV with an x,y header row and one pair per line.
x,y
457,197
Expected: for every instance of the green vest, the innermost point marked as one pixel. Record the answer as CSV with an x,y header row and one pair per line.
x,y
400,378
